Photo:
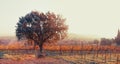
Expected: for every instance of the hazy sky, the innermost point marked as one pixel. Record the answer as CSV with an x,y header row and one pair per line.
x,y
87,17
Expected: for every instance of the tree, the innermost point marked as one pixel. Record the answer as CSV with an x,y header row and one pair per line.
x,y
96,41
41,28
105,41
117,38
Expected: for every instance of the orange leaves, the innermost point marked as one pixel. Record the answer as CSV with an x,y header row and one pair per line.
x,y
15,45
36,47
2,47
44,25
62,47
79,47
52,48
65,47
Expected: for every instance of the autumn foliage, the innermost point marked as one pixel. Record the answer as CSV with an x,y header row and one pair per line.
x,y
41,28
63,47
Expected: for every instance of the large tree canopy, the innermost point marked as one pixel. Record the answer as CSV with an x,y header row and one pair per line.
x,y
41,27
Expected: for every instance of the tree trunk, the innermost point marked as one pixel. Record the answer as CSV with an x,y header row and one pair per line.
x,y
41,48
39,53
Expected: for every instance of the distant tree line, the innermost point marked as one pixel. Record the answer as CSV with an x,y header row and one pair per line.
x,y
106,41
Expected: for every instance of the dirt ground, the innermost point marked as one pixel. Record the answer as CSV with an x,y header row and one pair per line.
x,y
30,59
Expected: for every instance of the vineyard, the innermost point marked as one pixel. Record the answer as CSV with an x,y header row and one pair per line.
x,y
78,54
88,54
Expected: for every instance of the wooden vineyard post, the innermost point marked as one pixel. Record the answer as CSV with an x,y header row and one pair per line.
x,y
97,50
102,52
81,50
93,52
8,51
110,51
117,59
60,50
72,50
84,55
105,56
110,54
81,53
115,52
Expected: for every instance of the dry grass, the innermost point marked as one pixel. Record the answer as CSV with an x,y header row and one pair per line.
x,y
30,59
78,59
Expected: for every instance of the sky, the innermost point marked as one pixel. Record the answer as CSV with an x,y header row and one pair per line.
x,y
86,17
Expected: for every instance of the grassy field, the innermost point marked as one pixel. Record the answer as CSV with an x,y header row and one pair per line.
x,y
67,57
62,55
88,59
30,59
